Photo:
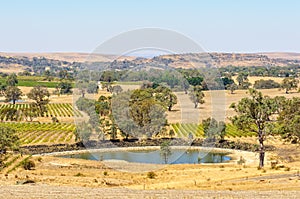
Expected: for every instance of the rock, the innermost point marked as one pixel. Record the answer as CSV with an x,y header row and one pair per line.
x,y
21,182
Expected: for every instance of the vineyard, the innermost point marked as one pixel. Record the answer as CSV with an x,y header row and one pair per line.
x,y
183,130
53,110
43,133
12,161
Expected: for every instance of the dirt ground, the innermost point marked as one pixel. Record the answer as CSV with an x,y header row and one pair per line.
x,y
62,177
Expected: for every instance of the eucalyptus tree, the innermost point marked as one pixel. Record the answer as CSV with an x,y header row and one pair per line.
x,y
253,114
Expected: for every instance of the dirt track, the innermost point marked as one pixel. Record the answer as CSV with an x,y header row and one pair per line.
x,y
45,191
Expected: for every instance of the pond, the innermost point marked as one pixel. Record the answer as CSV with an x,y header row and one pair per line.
x,y
177,156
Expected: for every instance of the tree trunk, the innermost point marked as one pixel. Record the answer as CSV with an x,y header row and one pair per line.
x,y
261,149
196,104
14,101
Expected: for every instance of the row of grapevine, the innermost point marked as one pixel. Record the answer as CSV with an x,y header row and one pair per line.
x,y
233,131
53,110
12,162
183,130
46,133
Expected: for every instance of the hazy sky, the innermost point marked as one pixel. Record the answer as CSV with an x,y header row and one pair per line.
x,y
80,26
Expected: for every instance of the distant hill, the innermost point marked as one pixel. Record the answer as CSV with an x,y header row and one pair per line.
x,y
65,56
17,62
234,59
282,55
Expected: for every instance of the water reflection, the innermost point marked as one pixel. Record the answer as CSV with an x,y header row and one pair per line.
x,y
154,157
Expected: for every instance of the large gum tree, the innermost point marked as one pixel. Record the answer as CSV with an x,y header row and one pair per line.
x,y
253,114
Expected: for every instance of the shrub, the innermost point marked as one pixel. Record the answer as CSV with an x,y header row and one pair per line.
x,y
241,161
151,175
28,165
79,175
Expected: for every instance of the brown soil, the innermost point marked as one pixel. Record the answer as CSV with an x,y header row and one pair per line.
x,y
58,177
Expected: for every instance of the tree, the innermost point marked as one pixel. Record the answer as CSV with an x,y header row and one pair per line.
x,y
117,89
243,81
48,76
83,132
196,95
113,131
92,87
227,81
121,113
253,114
13,94
2,88
102,106
165,151
41,97
185,85
11,113
289,118
146,112
138,114
214,129
30,113
232,87
64,87
171,133
166,97
289,83
8,141
12,80
63,74
82,86
265,84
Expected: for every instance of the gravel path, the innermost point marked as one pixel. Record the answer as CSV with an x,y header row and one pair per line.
x,y
45,191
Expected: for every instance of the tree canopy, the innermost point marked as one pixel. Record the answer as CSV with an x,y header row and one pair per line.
x,y
12,93
253,114
289,83
40,95
196,95
8,140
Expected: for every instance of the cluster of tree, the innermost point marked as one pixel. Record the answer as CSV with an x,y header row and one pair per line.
x,y
265,84
136,113
272,71
38,94
86,128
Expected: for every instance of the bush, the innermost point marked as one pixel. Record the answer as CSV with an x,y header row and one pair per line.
x,y
241,161
28,165
151,175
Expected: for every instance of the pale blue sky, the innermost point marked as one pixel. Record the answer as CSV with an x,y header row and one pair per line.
x,y
80,26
